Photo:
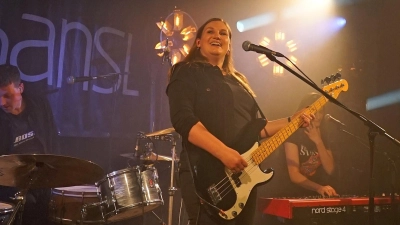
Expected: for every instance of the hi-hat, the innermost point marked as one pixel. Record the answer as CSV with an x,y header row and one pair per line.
x,y
147,157
161,132
47,171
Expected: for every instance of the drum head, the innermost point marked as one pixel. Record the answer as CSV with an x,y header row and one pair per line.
x,y
77,191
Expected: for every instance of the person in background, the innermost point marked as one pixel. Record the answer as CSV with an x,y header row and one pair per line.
x,y
210,105
26,127
309,160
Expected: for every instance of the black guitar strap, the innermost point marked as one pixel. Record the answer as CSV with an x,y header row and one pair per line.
x,y
255,102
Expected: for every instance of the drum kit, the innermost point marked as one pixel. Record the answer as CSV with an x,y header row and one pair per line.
x,y
113,197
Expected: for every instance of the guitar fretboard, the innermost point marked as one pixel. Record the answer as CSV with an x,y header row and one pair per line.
x,y
270,145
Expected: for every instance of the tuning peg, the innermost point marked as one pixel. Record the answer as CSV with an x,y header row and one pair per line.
x,y
338,76
332,77
327,80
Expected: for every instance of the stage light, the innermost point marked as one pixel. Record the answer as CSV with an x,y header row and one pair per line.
x,y
178,17
165,26
177,30
254,22
264,61
279,42
279,36
184,50
291,45
277,70
308,8
340,21
383,100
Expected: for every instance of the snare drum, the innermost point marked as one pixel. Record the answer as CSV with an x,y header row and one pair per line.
x,y
129,192
5,212
70,205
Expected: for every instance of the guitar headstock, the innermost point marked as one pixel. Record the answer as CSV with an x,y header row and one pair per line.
x,y
334,85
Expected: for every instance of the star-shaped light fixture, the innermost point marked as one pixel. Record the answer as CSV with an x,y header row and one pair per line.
x,y
176,31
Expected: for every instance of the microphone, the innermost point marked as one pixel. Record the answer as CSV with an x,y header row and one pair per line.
x,y
248,46
333,120
72,79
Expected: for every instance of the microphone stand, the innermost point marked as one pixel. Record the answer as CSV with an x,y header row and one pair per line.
x,y
114,106
393,174
171,190
374,129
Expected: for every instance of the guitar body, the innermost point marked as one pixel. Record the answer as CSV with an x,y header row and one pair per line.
x,y
229,192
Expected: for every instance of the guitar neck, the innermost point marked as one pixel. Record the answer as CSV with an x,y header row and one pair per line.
x,y
270,145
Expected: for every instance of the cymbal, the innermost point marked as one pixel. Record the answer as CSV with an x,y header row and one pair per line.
x,y
161,132
51,171
148,157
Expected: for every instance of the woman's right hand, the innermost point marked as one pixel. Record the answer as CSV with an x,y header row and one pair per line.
x,y
233,160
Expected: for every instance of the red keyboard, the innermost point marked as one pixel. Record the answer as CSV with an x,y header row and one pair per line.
x,y
290,207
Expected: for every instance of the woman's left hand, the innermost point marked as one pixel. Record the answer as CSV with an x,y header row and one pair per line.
x,y
307,119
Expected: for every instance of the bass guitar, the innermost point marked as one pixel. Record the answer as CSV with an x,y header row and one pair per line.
x,y
226,193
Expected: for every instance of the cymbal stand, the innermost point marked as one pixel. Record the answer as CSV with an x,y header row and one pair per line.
x,y
21,195
159,219
172,189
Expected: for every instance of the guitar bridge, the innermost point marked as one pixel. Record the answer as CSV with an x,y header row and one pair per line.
x,y
214,194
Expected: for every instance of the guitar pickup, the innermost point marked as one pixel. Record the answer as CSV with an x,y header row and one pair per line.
x,y
236,179
214,194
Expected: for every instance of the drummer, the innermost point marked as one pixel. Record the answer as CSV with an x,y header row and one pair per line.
x,y
26,127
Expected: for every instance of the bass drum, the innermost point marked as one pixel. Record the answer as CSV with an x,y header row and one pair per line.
x,y
129,193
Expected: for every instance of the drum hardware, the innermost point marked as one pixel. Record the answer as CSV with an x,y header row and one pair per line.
x,y
20,198
168,134
84,211
148,157
172,189
43,171
159,219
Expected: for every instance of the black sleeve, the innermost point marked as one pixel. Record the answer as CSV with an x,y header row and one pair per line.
x,y
181,93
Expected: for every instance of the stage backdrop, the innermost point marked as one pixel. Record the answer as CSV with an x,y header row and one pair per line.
x,y
51,41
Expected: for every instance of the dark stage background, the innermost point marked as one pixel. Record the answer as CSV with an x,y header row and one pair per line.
x,y
52,40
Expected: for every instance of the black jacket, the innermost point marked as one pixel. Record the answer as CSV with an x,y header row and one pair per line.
x,y
41,120
198,92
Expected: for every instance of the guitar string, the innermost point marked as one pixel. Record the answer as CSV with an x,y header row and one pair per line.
x,y
247,171
250,170
296,120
